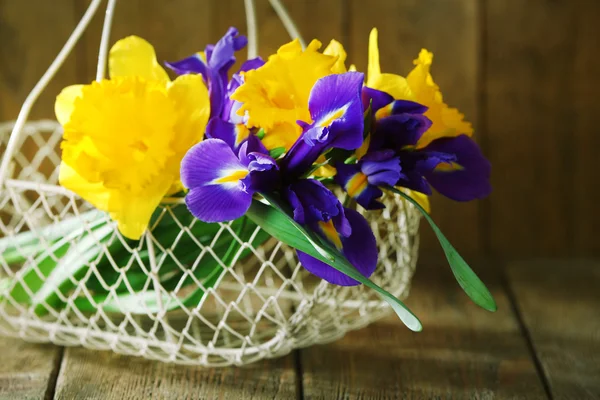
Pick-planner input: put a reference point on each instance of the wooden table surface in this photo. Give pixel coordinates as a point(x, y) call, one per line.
point(544, 342)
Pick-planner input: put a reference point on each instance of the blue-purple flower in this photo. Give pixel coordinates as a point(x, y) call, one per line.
point(454, 166)
point(213, 64)
point(221, 184)
point(335, 107)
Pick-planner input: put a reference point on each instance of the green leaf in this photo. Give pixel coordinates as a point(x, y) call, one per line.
point(277, 152)
point(208, 271)
point(31, 277)
point(467, 279)
point(16, 249)
point(275, 221)
point(368, 119)
point(70, 268)
point(314, 242)
point(134, 303)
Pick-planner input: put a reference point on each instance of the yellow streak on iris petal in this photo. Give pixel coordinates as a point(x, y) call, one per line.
point(331, 233)
point(233, 176)
point(449, 167)
point(332, 117)
point(356, 184)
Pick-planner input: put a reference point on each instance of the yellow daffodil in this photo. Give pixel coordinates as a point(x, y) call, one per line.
point(275, 95)
point(418, 86)
point(124, 137)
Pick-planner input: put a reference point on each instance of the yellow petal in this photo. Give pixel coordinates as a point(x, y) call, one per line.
point(63, 107)
point(374, 69)
point(362, 150)
point(192, 104)
point(420, 198)
point(275, 95)
point(282, 134)
point(326, 171)
point(133, 213)
point(94, 193)
point(394, 85)
point(335, 48)
point(446, 121)
point(133, 56)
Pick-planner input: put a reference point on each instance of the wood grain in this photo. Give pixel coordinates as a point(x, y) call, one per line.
point(559, 303)
point(26, 370)
point(449, 29)
point(91, 375)
point(585, 82)
point(534, 113)
point(462, 352)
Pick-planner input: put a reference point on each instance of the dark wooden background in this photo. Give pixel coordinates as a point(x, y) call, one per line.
point(525, 72)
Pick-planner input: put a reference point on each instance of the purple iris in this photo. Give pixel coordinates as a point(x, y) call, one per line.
point(336, 109)
point(453, 166)
point(214, 65)
point(222, 183)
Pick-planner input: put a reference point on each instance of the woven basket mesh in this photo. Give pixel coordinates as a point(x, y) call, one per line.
point(263, 305)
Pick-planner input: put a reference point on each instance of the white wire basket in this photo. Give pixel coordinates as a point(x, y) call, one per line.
point(261, 304)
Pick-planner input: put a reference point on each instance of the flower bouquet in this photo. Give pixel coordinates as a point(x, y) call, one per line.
point(189, 179)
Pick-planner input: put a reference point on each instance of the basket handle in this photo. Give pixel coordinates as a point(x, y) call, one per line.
point(41, 85)
point(32, 97)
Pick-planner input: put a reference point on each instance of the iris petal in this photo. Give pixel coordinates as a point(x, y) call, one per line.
point(335, 106)
point(225, 131)
point(468, 182)
point(214, 175)
point(360, 248)
point(365, 194)
point(194, 64)
point(398, 131)
point(218, 203)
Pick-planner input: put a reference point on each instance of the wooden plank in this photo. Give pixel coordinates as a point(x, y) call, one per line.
point(559, 302)
point(27, 370)
point(450, 30)
point(462, 352)
point(536, 101)
point(103, 375)
point(585, 127)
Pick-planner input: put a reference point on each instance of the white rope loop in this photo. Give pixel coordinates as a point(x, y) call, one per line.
point(105, 40)
point(41, 85)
